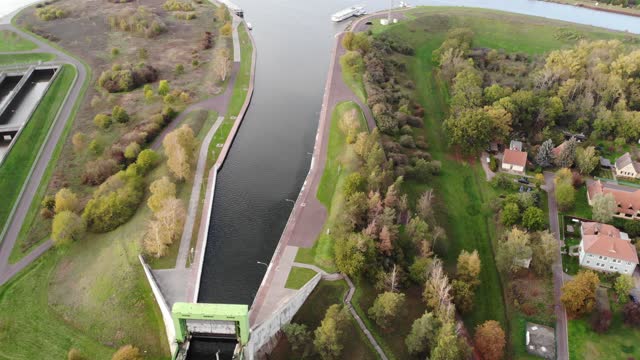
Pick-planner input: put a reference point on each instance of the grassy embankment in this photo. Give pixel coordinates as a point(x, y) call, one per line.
point(17, 164)
point(461, 188)
point(356, 345)
point(11, 41)
point(298, 277)
point(330, 189)
point(353, 79)
point(14, 59)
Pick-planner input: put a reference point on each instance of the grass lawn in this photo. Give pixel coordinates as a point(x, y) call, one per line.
point(11, 41)
point(330, 189)
point(298, 277)
point(327, 293)
point(244, 73)
point(17, 164)
point(11, 59)
point(620, 342)
point(581, 207)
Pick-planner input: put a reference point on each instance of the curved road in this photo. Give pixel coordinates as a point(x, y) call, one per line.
point(30, 187)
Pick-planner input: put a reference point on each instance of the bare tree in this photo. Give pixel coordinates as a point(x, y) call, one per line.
point(425, 209)
point(437, 292)
point(222, 63)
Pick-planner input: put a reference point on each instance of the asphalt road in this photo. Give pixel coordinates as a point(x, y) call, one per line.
point(562, 334)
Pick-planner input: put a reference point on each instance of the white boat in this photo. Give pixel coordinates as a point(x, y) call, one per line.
point(249, 26)
point(348, 12)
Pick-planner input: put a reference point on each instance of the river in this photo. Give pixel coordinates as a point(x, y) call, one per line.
point(271, 155)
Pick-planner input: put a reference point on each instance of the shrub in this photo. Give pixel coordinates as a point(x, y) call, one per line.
point(102, 121)
point(119, 114)
point(631, 314)
point(49, 13)
point(175, 5)
point(163, 87)
point(79, 141)
point(206, 41)
point(185, 15)
point(407, 141)
point(75, 354)
point(128, 352)
point(179, 69)
point(493, 164)
point(352, 62)
point(66, 200)
point(97, 171)
point(66, 228)
point(126, 78)
point(132, 151)
point(226, 29)
point(114, 202)
point(115, 52)
point(141, 21)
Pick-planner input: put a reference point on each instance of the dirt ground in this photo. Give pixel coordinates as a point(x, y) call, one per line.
point(86, 33)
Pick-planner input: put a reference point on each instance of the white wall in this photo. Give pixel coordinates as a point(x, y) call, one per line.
point(605, 263)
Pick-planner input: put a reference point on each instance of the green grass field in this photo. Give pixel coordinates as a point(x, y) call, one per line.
point(353, 79)
point(330, 188)
point(327, 293)
point(620, 342)
point(298, 277)
point(11, 41)
point(17, 164)
point(13, 59)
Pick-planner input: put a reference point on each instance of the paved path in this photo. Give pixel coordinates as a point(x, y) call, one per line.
point(192, 210)
point(485, 166)
point(16, 218)
point(562, 334)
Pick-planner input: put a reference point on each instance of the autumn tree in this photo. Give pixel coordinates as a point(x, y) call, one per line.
point(422, 336)
point(347, 40)
point(165, 228)
point(579, 294)
point(463, 295)
point(222, 63)
point(468, 267)
point(470, 129)
point(544, 157)
point(180, 146)
point(328, 336)
point(513, 251)
point(631, 314)
point(75, 354)
point(545, 251)
point(386, 308)
point(161, 190)
point(66, 200)
point(354, 253)
point(587, 160)
point(437, 291)
point(490, 340)
point(603, 207)
point(623, 286)
point(425, 205)
point(127, 352)
point(66, 228)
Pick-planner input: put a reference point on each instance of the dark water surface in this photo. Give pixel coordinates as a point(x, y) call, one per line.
point(270, 158)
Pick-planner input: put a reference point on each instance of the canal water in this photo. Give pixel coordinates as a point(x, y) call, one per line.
point(270, 158)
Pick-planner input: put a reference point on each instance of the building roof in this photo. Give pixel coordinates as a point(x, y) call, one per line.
point(604, 162)
point(515, 157)
point(558, 149)
point(541, 341)
point(515, 145)
point(606, 240)
point(625, 160)
point(627, 198)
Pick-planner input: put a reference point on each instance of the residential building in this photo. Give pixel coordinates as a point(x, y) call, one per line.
point(605, 248)
point(558, 149)
point(627, 198)
point(626, 167)
point(514, 161)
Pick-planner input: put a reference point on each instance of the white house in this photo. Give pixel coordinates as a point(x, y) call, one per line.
point(605, 248)
point(626, 167)
point(514, 161)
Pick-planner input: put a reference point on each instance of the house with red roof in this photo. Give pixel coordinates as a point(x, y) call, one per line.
point(605, 248)
point(514, 159)
point(627, 198)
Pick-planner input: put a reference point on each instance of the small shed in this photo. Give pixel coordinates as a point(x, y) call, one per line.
point(541, 341)
point(515, 145)
point(605, 163)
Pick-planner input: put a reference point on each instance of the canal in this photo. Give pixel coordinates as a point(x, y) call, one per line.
point(271, 155)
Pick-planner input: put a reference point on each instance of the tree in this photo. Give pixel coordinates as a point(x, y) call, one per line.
point(222, 63)
point(631, 314)
point(347, 40)
point(603, 207)
point(66, 200)
point(468, 267)
point(533, 219)
point(544, 157)
point(66, 228)
point(161, 190)
point(387, 238)
point(353, 183)
point(565, 196)
point(119, 114)
point(447, 346)
point(423, 334)
point(463, 294)
point(579, 294)
point(424, 206)
point(298, 337)
point(623, 286)
point(353, 253)
point(386, 308)
point(163, 87)
point(437, 292)
point(166, 227)
point(102, 121)
point(418, 231)
point(545, 252)
point(510, 214)
point(79, 141)
point(567, 155)
point(328, 335)
point(75, 354)
point(147, 159)
point(128, 352)
point(587, 160)
point(180, 146)
point(513, 251)
point(132, 150)
point(226, 29)
point(490, 340)
point(470, 129)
